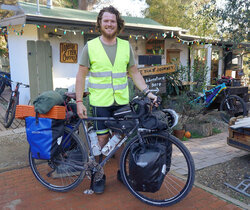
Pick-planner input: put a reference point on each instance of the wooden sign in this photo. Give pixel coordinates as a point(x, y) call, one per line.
point(157, 69)
point(68, 52)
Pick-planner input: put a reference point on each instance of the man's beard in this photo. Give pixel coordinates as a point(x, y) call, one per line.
point(108, 36)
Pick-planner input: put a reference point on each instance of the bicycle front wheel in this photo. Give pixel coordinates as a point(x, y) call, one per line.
point(10, 112)
point(64, 171)
point(179, 176)
point(233, 106)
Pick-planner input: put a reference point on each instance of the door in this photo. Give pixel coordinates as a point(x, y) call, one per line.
point(173, 57)
point(40, 67)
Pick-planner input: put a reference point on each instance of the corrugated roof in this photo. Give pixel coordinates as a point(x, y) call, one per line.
point(60, 12)
point(65, 14)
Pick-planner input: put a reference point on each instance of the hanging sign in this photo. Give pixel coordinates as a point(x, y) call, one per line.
point(68, 52)
point(152, 70)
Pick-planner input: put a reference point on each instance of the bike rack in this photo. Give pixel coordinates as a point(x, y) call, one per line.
point(242, 187)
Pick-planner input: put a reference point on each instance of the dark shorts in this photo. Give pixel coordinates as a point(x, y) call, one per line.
point(99, 126)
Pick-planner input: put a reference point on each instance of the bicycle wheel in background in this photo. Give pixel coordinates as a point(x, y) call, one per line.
point(232, 106)
point(11, 110)
point(180, 171)
point(2, 84)
point(61, 173)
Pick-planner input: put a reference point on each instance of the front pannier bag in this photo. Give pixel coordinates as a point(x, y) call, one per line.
point(44, 135)
point(147, 167)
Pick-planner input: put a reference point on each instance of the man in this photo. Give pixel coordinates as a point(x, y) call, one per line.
point(108, 59)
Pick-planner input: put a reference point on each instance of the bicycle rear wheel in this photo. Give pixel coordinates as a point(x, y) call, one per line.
point(180, 168)
point(233, 106)
point(64, 171)
point(11, 110)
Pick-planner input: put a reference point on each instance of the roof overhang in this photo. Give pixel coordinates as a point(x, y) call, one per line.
point(14, 20)
point(47, 20)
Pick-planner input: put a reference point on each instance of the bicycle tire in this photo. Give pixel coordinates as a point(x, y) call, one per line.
point(174, 187)
point(2, 84)
point(237, 107)
point(63, 176)
point(11, 110)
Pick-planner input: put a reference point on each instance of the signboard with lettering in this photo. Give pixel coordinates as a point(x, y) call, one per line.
point(163, 69)
point(155, 77)
point(156, 83)
point(68, 52)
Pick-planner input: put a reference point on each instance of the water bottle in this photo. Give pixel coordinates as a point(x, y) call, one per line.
point(94, 143)
point(110, 145)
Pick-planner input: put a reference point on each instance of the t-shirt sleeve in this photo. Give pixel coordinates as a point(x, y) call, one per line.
point(131, 57)
point(84, 59)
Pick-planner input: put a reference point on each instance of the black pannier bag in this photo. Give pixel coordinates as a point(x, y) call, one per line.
point(147, 166)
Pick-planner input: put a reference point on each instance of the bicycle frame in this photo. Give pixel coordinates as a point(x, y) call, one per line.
point(209, 101)
point(82, 121)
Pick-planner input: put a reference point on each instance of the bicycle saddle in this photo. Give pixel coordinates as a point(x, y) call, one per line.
point(73, 94)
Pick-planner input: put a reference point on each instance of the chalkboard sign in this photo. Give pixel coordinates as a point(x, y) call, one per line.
point(155, 77)
point(156, 83)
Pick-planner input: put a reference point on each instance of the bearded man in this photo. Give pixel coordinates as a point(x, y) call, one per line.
point(107, 60)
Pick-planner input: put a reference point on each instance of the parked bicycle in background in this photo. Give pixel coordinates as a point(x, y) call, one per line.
point(13, 102)
point(231, 105)
point(4, 81)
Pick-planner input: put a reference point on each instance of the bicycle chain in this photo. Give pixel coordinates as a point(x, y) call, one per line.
point(93, 165)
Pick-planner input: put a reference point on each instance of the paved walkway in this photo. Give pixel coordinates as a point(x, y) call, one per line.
point(20, 189)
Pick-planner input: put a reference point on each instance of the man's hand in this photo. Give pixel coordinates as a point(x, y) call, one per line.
point(154, 98)
point(81, 110)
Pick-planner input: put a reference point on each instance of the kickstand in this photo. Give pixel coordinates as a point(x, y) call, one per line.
point(92, 180)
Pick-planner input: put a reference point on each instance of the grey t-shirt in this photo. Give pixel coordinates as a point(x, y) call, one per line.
point(111, 53)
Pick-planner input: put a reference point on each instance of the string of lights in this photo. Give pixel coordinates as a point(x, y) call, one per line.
point(147, 36)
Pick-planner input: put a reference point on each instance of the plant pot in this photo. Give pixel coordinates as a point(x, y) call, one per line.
point(179, 133)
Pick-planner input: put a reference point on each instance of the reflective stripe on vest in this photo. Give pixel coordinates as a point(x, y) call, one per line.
point(107, 82)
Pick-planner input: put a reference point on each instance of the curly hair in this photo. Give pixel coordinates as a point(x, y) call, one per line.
point(112, 10)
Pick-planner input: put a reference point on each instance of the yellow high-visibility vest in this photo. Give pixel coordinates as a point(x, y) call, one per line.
point(108, 83)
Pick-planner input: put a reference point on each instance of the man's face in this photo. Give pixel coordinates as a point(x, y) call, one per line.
point(108, 25)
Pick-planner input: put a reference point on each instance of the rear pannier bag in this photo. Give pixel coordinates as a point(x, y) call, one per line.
point(44, 135)
point(147, 167)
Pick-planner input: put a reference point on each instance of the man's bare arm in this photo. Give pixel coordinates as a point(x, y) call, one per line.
point(139, 81)
point(80, 86)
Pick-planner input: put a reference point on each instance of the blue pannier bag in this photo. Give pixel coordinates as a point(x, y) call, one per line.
point(44, 135)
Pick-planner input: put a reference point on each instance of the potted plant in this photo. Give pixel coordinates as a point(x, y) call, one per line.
point(186, 110)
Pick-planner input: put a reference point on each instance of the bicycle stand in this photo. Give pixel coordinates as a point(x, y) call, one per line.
point(242, 187)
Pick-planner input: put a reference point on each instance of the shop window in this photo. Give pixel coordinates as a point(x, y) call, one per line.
point(155, 47)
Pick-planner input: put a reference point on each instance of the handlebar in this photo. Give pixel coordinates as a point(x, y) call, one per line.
point(19, 83)
point(144, 106)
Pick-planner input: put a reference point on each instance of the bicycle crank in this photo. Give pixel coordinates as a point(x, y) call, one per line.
point(92, 167)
